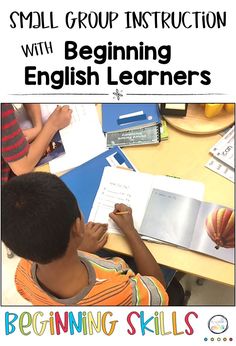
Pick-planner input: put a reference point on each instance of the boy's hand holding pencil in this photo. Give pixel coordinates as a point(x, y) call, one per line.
point(122, 212)
point(122, 216)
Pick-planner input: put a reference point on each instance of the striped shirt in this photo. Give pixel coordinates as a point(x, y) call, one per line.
point(14, 144)
point(111, 283)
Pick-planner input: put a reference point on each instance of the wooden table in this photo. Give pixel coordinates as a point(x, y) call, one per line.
point(182, 155)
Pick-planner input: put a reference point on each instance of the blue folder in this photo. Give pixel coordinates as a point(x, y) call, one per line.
point(84, 180)
point(121, 116)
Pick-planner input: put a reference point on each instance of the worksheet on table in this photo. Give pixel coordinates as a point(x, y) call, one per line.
point(83, 138)
point(117, 187)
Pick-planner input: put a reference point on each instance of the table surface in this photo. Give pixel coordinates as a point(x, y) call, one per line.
point(182, 155)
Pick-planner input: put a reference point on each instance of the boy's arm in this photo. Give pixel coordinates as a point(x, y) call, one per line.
point(59, 119)
point(143, 258)
point(34, 113)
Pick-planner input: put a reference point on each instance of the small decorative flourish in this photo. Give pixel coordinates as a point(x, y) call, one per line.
point(118, 94)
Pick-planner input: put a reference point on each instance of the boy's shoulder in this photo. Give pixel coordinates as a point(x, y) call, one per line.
point(24, 266)
point(112, 283)
point(23, 280)
point(135, 288)
point(23, 275)
point(113, 264)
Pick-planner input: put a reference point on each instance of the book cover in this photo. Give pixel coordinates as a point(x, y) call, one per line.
point(118, 117)
point(141, 136)
point(54, 150)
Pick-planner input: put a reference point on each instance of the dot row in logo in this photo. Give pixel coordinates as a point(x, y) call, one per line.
point(218, 339)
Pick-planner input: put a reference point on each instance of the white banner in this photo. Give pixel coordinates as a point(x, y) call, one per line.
point(164, 325)
point(102, 52)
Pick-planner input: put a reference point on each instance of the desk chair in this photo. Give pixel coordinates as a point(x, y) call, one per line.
point(177, 295)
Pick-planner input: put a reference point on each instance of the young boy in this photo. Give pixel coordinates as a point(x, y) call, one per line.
point(41, 222)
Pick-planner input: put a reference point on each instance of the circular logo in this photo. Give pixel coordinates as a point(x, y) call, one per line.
point(218, 324)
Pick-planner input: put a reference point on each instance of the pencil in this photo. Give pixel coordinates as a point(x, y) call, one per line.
point(122, 212)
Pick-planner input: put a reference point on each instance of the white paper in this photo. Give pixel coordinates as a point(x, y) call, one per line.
point(134, 189)
point(223, 150)
point(83, 138)
point(219, 167)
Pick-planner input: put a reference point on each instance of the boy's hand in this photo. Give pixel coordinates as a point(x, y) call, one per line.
point(122, 216)
point(61, 117)
point(95, 237)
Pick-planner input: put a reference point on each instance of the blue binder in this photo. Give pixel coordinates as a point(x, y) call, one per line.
point(84, 181)
point(121, 116)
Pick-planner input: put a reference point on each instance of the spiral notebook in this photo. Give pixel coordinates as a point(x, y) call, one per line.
point(141, 136)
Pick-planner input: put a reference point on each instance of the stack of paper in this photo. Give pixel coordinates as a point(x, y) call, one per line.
point(222, 161)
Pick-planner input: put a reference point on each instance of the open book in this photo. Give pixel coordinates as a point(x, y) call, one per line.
point(134, 189)
point(190, 223)
point(141, 192)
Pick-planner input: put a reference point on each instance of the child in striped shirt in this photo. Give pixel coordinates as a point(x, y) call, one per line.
point(42, 223)
point(18, 155)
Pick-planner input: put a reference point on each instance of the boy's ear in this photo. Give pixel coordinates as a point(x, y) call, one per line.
point(78, 229)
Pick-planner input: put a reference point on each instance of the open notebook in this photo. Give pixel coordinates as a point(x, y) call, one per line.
point(134, 189)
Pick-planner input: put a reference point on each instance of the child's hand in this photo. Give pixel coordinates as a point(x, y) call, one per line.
point(61, 117)
point(122, 216)
point(95, 237)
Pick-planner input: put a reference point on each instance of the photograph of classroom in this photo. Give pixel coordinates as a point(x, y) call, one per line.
point(118, 204)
